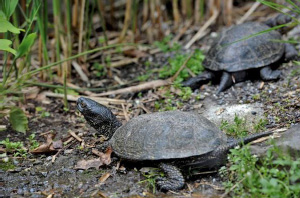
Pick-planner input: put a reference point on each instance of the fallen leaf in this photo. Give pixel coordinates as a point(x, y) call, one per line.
point(105, 157)
point(46, 147)
point(86, 164)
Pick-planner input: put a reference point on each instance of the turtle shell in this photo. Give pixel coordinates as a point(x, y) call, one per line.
point(166, 135)
point(258, 51)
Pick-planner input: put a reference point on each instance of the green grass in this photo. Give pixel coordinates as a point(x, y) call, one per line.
point(194, 65)
point(270, 176)
point(6, 165)
point(239, 127)
point(14, 147)
point(151, 177)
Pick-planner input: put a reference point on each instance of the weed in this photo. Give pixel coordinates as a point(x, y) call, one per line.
point(100, 70)
point(32, 142)
point(266, 177)
point(260, 125)
point(256, 97)
point(14, 147)
point(151, 177)
point(164, 45)
point(6, 165)
point(42, 112)
point(237, 128)
point(194, 65)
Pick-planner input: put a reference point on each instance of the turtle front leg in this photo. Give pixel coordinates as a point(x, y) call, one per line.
point(266, 73)
point(290, 52)
point(174, 179)
point(225, 82)
point(197, 81)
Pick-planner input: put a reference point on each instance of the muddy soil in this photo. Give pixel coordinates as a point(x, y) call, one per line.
point(39, 175)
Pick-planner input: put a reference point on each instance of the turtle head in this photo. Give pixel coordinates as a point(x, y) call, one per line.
point(98, 116)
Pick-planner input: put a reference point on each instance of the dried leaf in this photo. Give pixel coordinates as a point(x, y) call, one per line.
point(46, 147)
point(86, 164)
point(105, 157)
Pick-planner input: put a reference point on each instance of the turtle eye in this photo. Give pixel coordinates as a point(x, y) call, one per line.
point(82, 104)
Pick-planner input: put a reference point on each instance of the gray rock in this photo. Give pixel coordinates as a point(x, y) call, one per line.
point(288, 142)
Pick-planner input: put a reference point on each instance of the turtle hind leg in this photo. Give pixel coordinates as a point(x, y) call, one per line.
point(225, 82)
point(266, 73)
point(196, 82)
point(174, 179)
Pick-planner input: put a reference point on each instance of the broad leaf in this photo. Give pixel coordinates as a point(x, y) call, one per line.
point(26, 45)
point(4, 45)
point(8, 7)
point(18, 120)
point(6, 26)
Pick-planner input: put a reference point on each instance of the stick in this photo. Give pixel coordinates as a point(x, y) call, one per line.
point(249, 12)
point(137, 88)
point(101, 100)
point(202, 30)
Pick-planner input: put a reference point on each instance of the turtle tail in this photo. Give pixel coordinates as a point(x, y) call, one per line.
point(248, 139)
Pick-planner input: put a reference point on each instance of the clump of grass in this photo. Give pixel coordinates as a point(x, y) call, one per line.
point(270, 176)
point(194, 65)
point(151, 177)
point(14, 147)
point(239, 128)
point(6, 165)
point(32, 142)
point(164, 45)
point(42, 112)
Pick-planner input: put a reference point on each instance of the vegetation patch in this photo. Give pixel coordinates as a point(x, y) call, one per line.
point(275, 175)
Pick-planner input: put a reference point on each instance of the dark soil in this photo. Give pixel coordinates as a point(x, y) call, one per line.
point(37, 176)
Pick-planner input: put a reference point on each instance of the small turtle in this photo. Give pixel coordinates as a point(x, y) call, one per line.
point(232, 61)
point(175, 141)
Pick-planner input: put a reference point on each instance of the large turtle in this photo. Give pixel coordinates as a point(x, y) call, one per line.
point(173, 140)
point(233, 59)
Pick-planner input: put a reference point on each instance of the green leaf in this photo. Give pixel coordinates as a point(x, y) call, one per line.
point(18, 119)
point(8, 7)
point(6, 26)
point(26, 45)
point(4, 45)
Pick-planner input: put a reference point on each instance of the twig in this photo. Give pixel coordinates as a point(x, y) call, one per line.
point(123, 62)
point(137, 88)
point(181, 68)
point(202, 30)
point(249, 12)
point(235, 185)
point(146, 85)
point(182, 31)
point(75, 136)
point(101, 100)
point(125, 112)
point(80, 72)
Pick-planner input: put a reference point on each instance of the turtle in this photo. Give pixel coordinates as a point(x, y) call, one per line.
point(175, 141)
point(234, 57)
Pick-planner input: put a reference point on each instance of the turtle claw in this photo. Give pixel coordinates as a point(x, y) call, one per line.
point(174, 179)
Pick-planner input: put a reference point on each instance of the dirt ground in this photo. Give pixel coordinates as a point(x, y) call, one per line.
point(39, 175)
